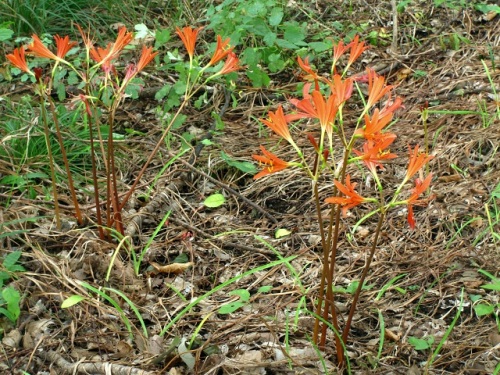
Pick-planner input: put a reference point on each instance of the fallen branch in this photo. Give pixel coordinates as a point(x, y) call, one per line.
point(90, 367)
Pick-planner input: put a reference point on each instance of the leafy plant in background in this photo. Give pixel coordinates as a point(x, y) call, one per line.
point(332, 154)
point(265, 33)
point(104, 88)
point(10, 297)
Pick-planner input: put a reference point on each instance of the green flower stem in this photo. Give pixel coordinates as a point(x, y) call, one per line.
point(51, 159)
point(71, 185)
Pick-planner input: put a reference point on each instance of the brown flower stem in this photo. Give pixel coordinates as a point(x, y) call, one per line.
point(71, 185)
point(347, 327)
point(330, 296)
point(94, 180)
point(112, 182)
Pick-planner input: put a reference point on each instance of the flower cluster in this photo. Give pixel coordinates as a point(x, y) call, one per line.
point(326, 108)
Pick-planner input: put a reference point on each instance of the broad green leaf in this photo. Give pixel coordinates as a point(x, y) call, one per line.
point(242, 293)
point(71, 301)
point(294, 34)
point(482, 309)
point(142, 31)
point(495, 286)
point(275, 16)
point(419, 344)
point(244, 166)
point(281, 233)
point(12, 297)
point(5, 34)
point(264, 289)
point(231, 307)
point(11, 259)
point(214, 200)
point(320, 46)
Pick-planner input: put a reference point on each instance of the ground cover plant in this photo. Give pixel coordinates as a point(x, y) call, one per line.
point(175, 252)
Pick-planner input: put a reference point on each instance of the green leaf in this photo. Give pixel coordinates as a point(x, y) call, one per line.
point(419, 344)
point(269, 38)
point(231, 307)
point(482, 309)
point(320, 46)
point(162, 37)
point(258, 77)
point(11, 259)
point(242, 293)
point(214, 200)
point(244, 166)
point(5, 34)
point(12, 298)
point(294, 34)
point(286, 44)
point(142, 31)
point(275, 16)
point(264, 289)
point(71, 301)
point(281, 233)
point(495, 286)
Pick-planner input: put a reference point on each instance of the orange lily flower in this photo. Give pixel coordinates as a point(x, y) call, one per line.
point(221, 51)
point(188, 36)
point(39, 49)
point(417, 161)
point(231, 64)
point(420, 187)
point(374, 152)
point(339, 50)
point(146, 56)
point(104, 56)
point(311, 74)
point(317, 107)
point(341, 88)
point(279, 124)
point(356, 50)
point(391, 106)
point(63, 46)
point(374, 125)
point(351, 199)
point(376, 88)
point(18, 59)
point(274, 164)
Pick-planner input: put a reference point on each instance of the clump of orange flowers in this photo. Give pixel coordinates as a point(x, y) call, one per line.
point(344, 138)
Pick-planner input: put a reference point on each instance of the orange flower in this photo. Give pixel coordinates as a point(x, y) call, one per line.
point(325, 110)
point(356, 49)
point(341, 88)
point(374, 152)
point(420, 187)
point(311, 74)
point(351, 199)
point(279, 124)
point(274, 164)
point(339, 50)
point(231, 64)
point(374, 125)
point(63, 46)
point(104, 56)
point(18, 59)
point(146, 56)
point(376, 88)
point(39, 49)
point(221, 51)
point(188, 36)
point(417, 161)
